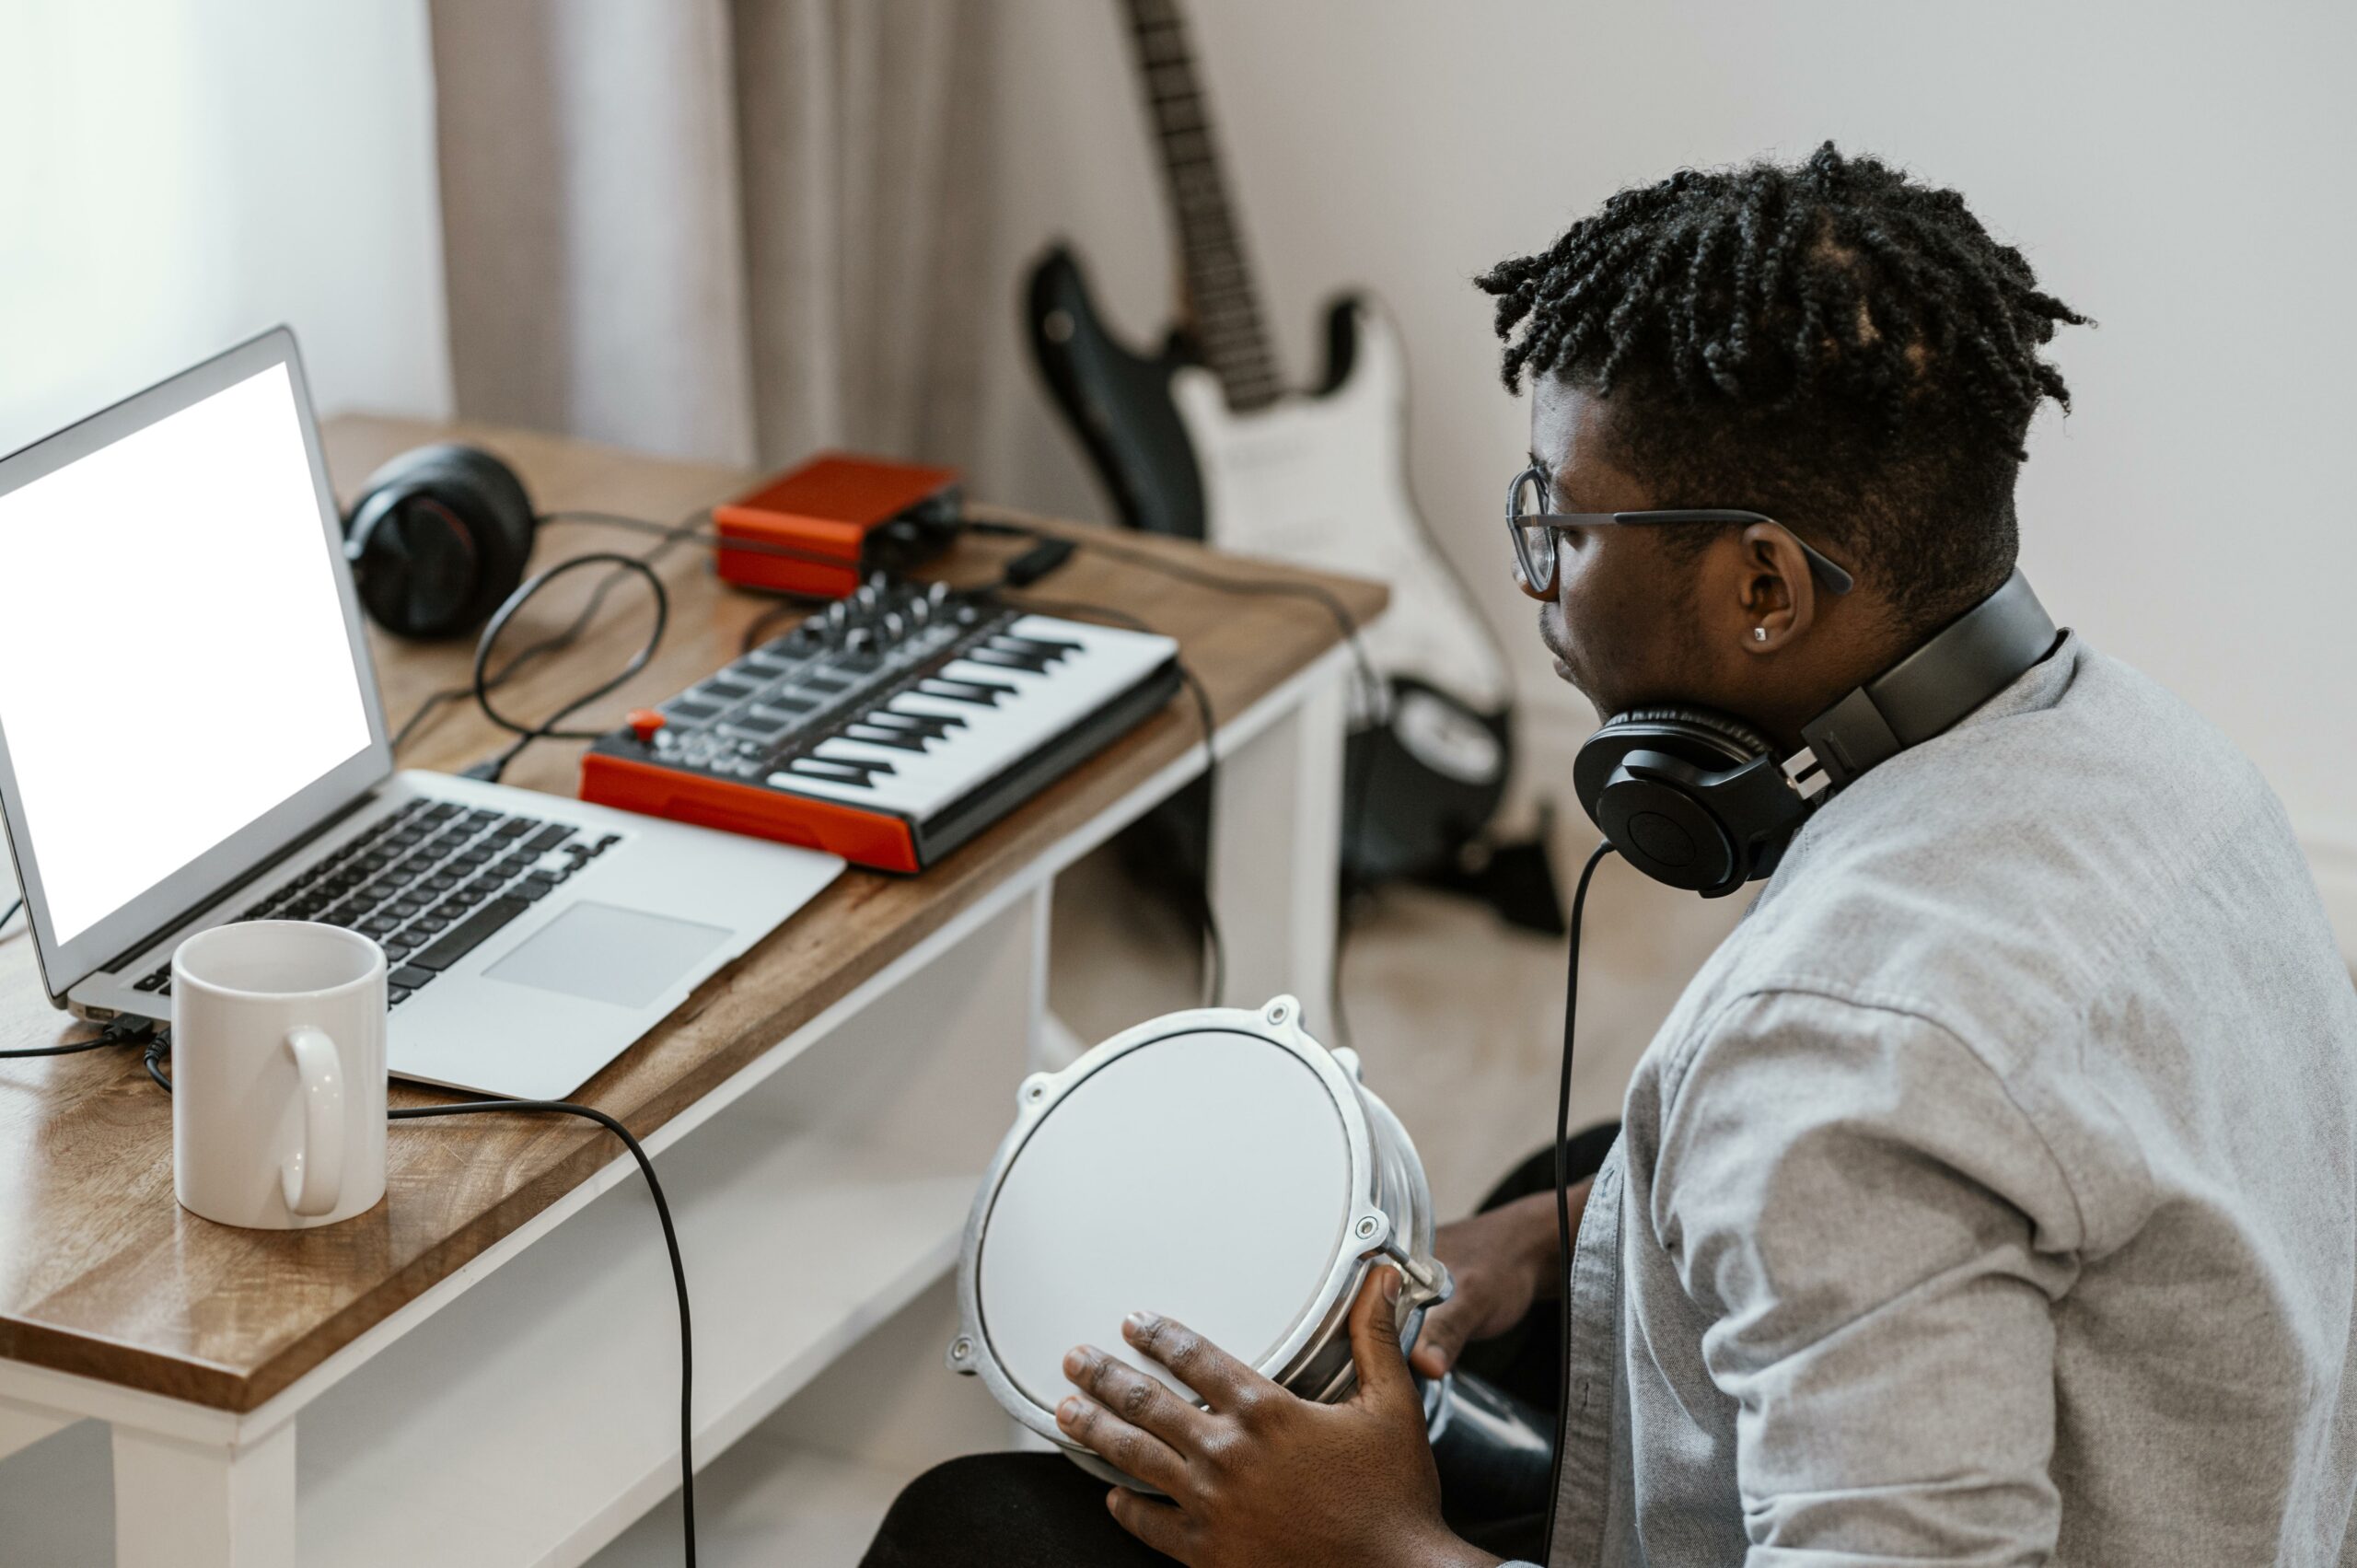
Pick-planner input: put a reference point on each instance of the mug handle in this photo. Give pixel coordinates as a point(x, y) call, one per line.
point(312, 1177)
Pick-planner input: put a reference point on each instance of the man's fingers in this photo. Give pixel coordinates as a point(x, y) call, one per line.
point(1125, 1447)
point(1446, 1327)
point(1158, 1525)
point(1144, 1402)
point(1219, 1377)
point(1375, 1337)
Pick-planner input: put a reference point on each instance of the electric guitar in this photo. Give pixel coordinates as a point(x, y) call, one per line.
point(1204, 440)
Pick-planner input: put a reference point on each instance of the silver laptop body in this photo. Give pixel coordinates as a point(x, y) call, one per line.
point(190, 733)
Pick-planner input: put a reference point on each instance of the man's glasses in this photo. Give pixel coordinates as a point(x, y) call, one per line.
point(1533, 527)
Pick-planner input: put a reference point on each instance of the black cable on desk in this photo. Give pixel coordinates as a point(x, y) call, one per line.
point(161, 1042)
point(547, 729)
point(668, 536)
point(514, 666)
point(121, 1032)
point(10, 913)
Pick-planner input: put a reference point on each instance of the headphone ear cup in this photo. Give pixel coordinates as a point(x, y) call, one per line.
point(505, 526)
point(1651, 779)
point(418, 572)
point(439, 537)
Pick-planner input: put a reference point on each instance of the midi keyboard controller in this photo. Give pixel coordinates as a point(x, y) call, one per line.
point(890, 728)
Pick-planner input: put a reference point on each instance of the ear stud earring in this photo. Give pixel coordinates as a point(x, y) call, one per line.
point(1759, 633)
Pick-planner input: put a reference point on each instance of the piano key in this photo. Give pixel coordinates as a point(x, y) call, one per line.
point(917, 705)
point(962, 691)
point(1046, 648)
point(885, 718)
point(877, 758)
point(801, 781)
point(817, 769)
point(971, 672)
point(878, 735)
point(1009, 659)
point(976, 716)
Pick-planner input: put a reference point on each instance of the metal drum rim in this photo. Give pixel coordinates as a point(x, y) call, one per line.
point(1278, 1023)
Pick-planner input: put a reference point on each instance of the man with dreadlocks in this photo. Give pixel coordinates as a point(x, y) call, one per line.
point(1990, 1196)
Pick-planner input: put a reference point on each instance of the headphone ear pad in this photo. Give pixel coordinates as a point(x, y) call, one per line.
point(438, 537)
point(418, 573)
point(505, 526)
point(1643, 779)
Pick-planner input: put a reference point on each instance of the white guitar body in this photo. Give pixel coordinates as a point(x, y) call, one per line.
point(1321, 480)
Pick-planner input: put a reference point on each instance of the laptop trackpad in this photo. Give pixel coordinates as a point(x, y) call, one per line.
point(625, 957)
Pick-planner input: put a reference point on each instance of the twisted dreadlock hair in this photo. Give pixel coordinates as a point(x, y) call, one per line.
point(1833, 344)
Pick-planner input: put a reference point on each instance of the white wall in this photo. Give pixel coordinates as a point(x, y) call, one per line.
point(176, 175)
point(2182, 172)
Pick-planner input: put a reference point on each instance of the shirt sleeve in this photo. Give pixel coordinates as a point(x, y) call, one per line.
point(1879, 1237)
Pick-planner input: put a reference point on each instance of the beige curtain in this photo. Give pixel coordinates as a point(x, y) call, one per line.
point(733, 229)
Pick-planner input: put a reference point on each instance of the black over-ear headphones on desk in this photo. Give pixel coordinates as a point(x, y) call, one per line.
point(438, 539)
point(1699, 800)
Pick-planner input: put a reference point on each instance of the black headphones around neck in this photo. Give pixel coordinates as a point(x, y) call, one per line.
point(437, 539)
point(1701, 801)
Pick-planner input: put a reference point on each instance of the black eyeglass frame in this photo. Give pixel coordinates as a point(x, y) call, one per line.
point(1829, 575)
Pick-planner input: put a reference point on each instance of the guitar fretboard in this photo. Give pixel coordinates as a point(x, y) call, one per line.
point(1224, 308)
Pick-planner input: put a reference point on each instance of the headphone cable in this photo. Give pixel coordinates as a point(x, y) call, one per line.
point(547, 729)
point(668, 537)
point(1564, 1184)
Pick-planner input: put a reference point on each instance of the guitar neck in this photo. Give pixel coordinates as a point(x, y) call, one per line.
point(1222, 306)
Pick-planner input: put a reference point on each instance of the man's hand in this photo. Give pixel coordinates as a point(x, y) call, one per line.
point(1501, 1261)
point(1263, 1476)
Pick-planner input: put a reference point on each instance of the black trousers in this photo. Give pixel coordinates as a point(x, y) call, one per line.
point(1042, 1511)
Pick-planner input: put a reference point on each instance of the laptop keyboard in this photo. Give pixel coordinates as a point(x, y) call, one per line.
point(430, 884)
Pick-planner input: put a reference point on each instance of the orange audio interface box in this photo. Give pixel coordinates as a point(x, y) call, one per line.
point(823, 528)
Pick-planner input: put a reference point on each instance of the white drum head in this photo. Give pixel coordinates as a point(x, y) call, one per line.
point(1206, 1177)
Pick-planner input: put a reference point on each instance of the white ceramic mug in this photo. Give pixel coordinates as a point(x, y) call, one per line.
point(278, 1074)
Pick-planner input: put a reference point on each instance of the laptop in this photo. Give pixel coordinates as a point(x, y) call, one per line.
point(191, 734)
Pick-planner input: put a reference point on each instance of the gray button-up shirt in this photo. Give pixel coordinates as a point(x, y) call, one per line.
point(1990, 1196)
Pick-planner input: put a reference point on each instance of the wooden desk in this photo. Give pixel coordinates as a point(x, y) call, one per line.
point(827, 1103)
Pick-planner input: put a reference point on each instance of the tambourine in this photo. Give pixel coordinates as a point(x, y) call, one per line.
point(1221, 1167)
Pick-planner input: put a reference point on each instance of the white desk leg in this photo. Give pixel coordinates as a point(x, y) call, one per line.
point(1276, 849)
point(179, 1504)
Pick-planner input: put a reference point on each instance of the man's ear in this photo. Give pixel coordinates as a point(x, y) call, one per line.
point(1774, 592)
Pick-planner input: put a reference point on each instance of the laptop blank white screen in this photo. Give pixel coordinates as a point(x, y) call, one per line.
point(173, 657)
